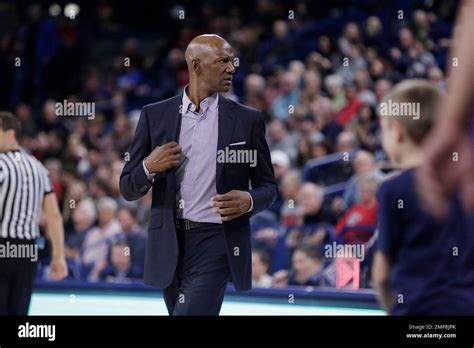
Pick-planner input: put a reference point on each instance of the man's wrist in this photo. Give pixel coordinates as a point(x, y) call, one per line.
point(149, 175)
point(58, 256)
point(146, 166)
point(250, 209)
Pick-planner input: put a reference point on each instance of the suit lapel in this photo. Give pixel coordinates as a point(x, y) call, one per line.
point(226, 122)
point(172, 128)
point(173, 124)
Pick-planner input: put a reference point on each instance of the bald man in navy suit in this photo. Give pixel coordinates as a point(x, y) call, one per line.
point(208, 164)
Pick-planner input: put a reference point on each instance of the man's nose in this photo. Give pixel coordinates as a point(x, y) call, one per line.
point(230, 67)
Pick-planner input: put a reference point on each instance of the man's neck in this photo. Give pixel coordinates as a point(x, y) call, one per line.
point(196, 94)
point(13, 147)
point(412, 158)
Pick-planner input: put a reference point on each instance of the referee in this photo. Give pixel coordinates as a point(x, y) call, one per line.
point(25, 189)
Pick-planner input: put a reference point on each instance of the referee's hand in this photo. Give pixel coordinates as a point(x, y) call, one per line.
point(58, 268)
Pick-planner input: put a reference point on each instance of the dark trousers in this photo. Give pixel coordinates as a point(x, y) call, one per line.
point(201, 275)
point(17, 276)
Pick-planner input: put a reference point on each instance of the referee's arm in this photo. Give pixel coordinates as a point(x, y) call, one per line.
point(56, 233)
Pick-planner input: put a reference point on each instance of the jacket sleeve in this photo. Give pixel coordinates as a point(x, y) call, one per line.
point(134, 183)
point(264, 187)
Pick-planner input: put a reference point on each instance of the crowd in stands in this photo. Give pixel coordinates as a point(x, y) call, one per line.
point(317, 76)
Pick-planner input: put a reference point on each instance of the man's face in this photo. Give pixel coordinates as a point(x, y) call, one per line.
point(7, 138)
point(120, 259)
point(105, 215)
point(367, 194)
point(2, 139)
point(310, 203)
point(389, 134)
point(217, 68)
point(289, 187)
point(80, 218)
point(304, 266)
point(126, 220)
point(258, 267)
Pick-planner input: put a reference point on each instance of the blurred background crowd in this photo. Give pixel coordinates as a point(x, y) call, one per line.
point(317, 70)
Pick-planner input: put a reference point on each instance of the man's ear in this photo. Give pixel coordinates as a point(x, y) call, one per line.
point(196, 66)
point(400, 131)
point(10, 135)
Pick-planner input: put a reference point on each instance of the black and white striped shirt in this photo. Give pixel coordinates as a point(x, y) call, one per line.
point(23, 183)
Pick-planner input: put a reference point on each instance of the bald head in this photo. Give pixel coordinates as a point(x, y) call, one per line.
point(202, 46)
point(210, 61)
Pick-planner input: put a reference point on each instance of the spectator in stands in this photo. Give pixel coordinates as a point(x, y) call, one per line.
point(122, 134)
point(329, 55)
point(307, 269)
point(280, 139)
point(289, 187)
point(281, 165)
point(298, 68)
point(24, 114)
point(50, 121)
point(98, 239)
point(289, 95)
point(352, 106)
point(133, 235)
point(119, 268)
point(322, 112)
point(76, 191)
point(254, 86)
point(374, 35)
point(55, 170)
point(83, 218)
point(311, 213)
point(320, 146)
point(361, 214)
point(260, 267)
point(334, 86)
point(280, 162)
point(382, 87)
point(304, 123)
point(363, 84)
point(346, 142)
point(278, 48)
point(350, 37)
point(365, 128)
point(305, 151)
point(312, 86)
point(363, 163)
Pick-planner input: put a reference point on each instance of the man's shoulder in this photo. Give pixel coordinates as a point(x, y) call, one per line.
point(241, 108)
point(399, 180)
point(164, 103)
point(398, 186)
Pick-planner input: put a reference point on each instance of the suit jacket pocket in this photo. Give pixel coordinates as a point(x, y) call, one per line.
point(156, 220)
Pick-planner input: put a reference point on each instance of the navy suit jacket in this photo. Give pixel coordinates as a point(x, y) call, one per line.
point(160, 123)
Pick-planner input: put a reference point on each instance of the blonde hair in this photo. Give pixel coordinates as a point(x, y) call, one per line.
point(426, 95)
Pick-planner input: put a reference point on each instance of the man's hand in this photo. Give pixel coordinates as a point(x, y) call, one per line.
point(163, 157)
point(231, 204)
point(58, 268)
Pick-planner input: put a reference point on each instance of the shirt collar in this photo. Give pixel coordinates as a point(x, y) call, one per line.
point(210, 102)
